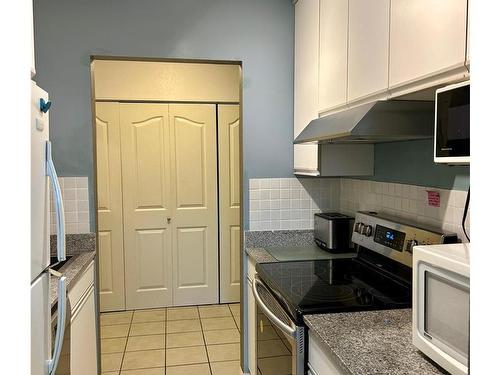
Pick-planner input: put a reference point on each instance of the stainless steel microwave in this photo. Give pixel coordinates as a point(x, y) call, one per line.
point(441, 294)
point(452, 124)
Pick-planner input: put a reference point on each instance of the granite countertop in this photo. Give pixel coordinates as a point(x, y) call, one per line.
point(256, 241)
point(260, 255)
point(81, 247)
point(76, 243)
point(371, 342)
point(72, 270)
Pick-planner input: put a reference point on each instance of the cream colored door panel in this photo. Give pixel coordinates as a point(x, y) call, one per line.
point(109, 200)
point(194, 203)
point(427, 37)
point(145, 149)
point(229, 202)
point(333, 18)
point(179, 82)
point(368, 52)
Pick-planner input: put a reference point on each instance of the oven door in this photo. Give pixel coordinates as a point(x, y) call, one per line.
point(280, 343)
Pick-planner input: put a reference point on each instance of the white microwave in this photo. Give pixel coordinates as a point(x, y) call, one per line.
point(441, 294)
point(452, 124)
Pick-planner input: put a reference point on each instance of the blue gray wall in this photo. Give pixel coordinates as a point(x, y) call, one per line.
point(412, 163)
point(257, 32)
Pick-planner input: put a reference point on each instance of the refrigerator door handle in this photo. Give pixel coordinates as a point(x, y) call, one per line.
point(58, 201)
point(61, 322)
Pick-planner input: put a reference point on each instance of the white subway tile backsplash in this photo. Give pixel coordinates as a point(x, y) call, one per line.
point(265, 183)
point(405, 201)
point(76, 205)
point(254, 184)
point(275, 183)
point(290, 203)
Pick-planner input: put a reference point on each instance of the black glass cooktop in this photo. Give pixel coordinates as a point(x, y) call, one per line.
point(337, 285)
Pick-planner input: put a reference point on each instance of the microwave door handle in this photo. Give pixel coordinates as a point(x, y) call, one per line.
point(61, 322)
point(58, 201)
point(291, 331)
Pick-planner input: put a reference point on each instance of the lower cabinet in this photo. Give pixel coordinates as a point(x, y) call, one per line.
point(252, 326)
point(320, 360)
point(83, 325)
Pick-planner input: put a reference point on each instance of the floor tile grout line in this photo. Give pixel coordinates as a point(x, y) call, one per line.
point(204, 341)
point(202, 331)
point(126, 341)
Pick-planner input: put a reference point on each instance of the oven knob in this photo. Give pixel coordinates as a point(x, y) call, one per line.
point(358, 228)
point(410, 245)
point(367, 230)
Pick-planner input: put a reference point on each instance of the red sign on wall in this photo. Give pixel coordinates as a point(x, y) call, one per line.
point(433, 199)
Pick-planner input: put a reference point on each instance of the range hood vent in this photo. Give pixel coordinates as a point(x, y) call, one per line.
point(379, 121)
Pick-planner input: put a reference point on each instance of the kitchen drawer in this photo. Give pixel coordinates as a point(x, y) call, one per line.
point(81, 286)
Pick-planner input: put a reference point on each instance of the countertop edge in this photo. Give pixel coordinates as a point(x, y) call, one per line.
point(73, 270)
point(260, 255)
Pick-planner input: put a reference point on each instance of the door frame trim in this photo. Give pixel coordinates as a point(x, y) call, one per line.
point(243, 359)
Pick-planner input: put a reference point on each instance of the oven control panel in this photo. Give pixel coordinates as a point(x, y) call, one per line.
point(395, 237)
point(389, 237)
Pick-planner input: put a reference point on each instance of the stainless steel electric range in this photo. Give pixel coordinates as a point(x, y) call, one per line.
point(378, 278)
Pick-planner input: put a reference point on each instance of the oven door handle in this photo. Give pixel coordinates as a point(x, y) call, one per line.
point(291, 331)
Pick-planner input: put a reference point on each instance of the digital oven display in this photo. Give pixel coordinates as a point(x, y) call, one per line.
point(389, 237)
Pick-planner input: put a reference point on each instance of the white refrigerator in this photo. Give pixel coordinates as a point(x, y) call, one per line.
point(44, 354)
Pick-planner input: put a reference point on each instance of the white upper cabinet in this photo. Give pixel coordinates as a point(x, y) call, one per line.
point(428, 39)
point(306, 80)
point(333, 30)
point(368, 51)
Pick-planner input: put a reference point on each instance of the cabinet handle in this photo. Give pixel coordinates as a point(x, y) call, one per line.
point(169, 220)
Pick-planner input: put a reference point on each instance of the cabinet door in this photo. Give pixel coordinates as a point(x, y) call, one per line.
point(83, 337)
point(109, 210)
point(333, 19)
point(145, 152)
point(427, 37)
point(306, 80)
point(368, 54)
point(229, 202)
point(193, 145)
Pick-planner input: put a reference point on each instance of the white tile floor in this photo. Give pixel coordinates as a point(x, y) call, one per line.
point(195, 340)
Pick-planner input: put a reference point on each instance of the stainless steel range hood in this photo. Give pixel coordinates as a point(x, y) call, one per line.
point(379, 121)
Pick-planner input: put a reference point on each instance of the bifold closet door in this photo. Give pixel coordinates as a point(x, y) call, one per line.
point(147, 206)
point(193, 143)
point(109, 211)
point(229, 202)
